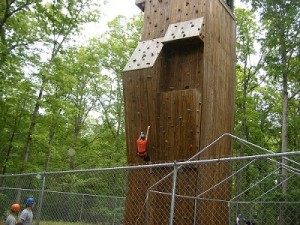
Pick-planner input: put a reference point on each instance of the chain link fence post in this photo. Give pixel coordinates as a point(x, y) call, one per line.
point(173, 193)
point(40, 201)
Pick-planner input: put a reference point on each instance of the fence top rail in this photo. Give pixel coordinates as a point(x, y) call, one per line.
point(63, 192)
point(170, 164)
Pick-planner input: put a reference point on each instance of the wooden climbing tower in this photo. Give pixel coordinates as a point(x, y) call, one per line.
point(180, 80)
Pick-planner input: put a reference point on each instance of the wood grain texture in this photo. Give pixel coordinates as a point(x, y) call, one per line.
point(186, 95)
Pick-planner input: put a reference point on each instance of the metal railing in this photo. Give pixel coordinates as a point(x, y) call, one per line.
point(203, 191)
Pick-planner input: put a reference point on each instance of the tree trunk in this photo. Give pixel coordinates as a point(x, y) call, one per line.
point(77, 128)
point(284, 137)
point(10, 144)
point(9, 149)
point(50, 141)
point(31, 129)
point(29, 141)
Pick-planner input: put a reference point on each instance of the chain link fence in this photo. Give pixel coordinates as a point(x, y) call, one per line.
point(259, 187)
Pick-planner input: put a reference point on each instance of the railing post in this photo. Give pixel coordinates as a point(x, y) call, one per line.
point(40, 204)
point(81, 208)
point(195, 211)
point(173, 193)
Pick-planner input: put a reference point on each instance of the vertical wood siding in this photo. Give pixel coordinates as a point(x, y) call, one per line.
point(187, 97)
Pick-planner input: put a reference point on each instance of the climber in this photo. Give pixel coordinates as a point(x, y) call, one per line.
point(142, 145)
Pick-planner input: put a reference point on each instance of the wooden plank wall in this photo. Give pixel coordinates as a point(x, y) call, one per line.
point(219, 70)
point(158, 15)
point(218, 107)
point(183, 67)
point(160, 204)
point(188, 99)
point(167, 97)
point(140, 92)
point(178, 125)
point(135, 197)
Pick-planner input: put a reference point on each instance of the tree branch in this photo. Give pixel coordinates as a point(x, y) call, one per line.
point(9, 14)
point(293, 95)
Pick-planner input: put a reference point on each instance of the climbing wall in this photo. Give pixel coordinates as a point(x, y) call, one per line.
point(180, 80)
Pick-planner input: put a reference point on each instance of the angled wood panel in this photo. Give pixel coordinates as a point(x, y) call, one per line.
point(185, 30)
point(144, 55)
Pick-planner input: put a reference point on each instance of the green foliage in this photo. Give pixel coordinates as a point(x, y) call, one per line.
point(78, 93)
point(57, 95)
point(259, 87)
point(268, 101)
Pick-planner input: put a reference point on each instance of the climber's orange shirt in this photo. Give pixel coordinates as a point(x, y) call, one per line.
point(141, 145)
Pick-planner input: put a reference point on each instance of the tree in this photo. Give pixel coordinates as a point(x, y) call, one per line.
point(115, 47)
point(282, 45)
point(17, 31)
point(52, 95)
point(247, 71)
point(51, 26)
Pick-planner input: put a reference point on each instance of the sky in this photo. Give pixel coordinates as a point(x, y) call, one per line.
point(123, 7)
point(119, 7)
point(128, 7)
point(111, 10)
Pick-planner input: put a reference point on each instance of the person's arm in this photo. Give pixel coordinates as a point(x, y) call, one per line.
point(21, 218)
point(140, 135)
point(148, 128)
